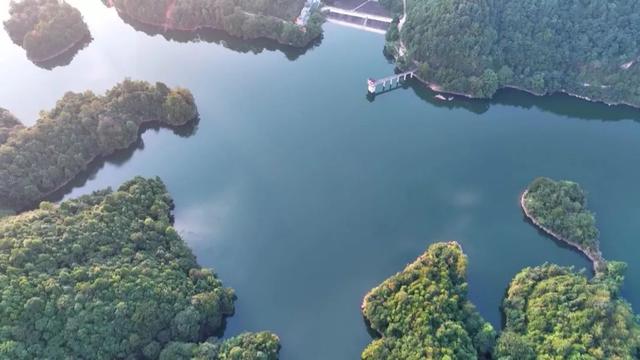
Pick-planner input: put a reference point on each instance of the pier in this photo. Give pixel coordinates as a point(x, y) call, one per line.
point(393, 81)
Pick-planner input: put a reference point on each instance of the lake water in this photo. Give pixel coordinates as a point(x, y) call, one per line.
point(303, 194)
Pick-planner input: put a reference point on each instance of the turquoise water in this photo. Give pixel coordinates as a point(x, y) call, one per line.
point(303, 194)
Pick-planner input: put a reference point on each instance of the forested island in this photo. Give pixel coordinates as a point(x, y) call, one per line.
point(551, 312)
point(587, 49)
point(107, 276)
point(560, 209)
point(423, 312)
point(46, 29)
point(38, 160)
point(246, 19)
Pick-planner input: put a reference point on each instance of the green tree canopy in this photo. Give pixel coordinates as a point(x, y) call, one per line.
point(45, 28)
point(588, 48)
point(423, 311)
point(554, 313)
point(106, 276)
point(247, 19)
point(561, 207)
point(81, 127)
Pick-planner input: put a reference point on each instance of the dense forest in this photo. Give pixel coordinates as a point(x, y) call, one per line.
point(423, 311)
point(45, 28)
point(9, 125)
point(37, 160)
point(554, 313)
point(247, 19)
point(551, 312)
point(587, 48)
point(106, 276)
point(561, 208)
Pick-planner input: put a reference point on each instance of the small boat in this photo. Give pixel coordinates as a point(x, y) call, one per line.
point(442, 98)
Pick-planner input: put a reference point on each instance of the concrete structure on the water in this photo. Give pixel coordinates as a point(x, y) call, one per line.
point(365, 15)
point(393, 80)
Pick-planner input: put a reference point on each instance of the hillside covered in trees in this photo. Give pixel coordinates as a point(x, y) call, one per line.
point(586, 48)
point(37, 160)
point(423, 311)
point(107, 276)
point(560, 208)
point(9, 125)
point(46, 29)
point(552, 312)
point(247, 19)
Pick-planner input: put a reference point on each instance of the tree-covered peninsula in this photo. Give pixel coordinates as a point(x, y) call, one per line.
point(247, 19)
point(46, 29)
point(560, 209)
point(586, 48)
point(106, 276)
point(552, 312)
point(37, 160)
point(423, 312)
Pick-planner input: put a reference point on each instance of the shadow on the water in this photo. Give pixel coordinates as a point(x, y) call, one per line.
point(118, 158)
point(374, 334)
point(221, 38)
point(218, 333)
point(566, 105)
point(476, 106)
point(559, 243)
point(68, 56)
point(558, 103)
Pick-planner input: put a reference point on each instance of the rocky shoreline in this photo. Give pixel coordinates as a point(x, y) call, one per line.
point(61, 52)
point(599, 263)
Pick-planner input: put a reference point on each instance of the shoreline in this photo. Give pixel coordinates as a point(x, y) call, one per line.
point(36, 203)
point(365, 299)
point(437, 88)
point(61, 52)
point(597, 261)
point(195, 29)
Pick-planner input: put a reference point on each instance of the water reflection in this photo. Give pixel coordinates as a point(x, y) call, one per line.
point(566, 105)
point(559, 104)
point(118, 158)
point(476, 106)
point(559, 243)
point(220, 37)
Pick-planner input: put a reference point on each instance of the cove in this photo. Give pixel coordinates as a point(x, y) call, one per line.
point(303, 194)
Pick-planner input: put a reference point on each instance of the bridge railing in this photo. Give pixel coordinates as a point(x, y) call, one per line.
point(372, 84)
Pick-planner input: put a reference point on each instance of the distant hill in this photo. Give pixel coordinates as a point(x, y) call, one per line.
point(585, 48)
point(247, 19)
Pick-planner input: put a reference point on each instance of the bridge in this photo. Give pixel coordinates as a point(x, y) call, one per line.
point(335, 10)
point(357, 19)
point(393, 80)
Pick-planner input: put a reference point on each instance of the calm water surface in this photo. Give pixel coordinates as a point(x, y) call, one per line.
point(302, 194)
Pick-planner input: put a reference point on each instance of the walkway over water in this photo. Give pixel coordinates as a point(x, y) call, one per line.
point(359, 17)
point(357, 14)
point(393, 80)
